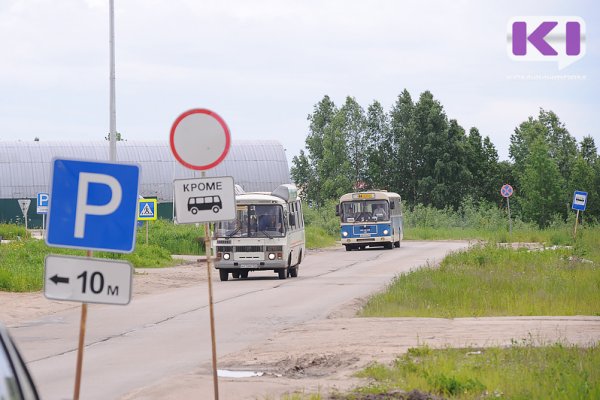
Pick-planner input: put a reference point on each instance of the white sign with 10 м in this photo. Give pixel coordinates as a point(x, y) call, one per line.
point(88, 280)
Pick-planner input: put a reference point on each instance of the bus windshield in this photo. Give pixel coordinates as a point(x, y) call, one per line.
point(254, 221)
point(365, 211)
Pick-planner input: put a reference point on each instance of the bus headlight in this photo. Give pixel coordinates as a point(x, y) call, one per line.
point(344, 234)
point(385, 231)
point(226, 256)
point(271, 256)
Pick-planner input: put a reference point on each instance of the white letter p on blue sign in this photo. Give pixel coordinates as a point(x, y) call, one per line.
point(93, 205)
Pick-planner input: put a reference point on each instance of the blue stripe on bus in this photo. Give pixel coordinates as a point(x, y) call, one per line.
point(372, 230)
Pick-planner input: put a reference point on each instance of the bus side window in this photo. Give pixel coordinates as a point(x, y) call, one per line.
point(293, 221)
point(300, 215)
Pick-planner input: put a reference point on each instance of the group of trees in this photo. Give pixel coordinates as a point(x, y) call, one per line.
point(416, 151)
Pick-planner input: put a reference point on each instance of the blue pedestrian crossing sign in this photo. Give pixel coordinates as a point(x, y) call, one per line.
point(147, 210)
point(93, 205)
point(579, 201)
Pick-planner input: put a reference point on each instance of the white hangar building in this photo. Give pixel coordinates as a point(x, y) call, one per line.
point(25, 169)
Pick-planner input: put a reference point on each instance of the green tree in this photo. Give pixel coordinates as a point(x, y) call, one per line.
point(335, 170)
point(304, 176)
point(482, 162)
point(379, 148)
point(588, 150)
point(407, 155)
point(308, 168)
point(353, 130)
point(431, 125)
point(562, 147)
point(541, 186)
point(583, 178)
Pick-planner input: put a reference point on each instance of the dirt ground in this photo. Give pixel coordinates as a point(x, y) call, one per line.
point(318, 356)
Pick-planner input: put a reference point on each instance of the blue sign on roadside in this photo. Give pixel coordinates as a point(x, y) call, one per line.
point(42, 203)
point(579, 201)
point(147, 209)
point(93, 205)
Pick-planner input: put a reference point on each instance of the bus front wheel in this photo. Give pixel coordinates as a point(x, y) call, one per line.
point(348, 247)
point(223, 274)
point(283, 272)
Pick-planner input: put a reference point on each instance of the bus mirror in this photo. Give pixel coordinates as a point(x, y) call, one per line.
point(292, 219)
point(392, 205)
point(337, 210)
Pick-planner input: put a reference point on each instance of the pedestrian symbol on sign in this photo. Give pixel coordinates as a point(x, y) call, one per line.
point(146, 212)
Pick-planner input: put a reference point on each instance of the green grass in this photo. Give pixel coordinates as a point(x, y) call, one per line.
point(12, 231)
point(177, 239)
point(317, 237)
point(522, 371)
point(493, 281)
point(22, 262)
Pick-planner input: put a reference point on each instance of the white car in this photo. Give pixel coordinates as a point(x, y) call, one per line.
point(15, 381)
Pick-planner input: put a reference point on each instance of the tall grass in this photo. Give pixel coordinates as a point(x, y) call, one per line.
point(493, 281)
point(324, 218)
point(177, 239)
point(522, 371)
point(12, 232)
point(22, 262)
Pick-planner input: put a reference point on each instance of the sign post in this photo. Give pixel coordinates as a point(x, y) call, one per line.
point(147, 211)
point(200, 140)
point(42, 208)
point(24, 205)
point(507, 191)
point(96, 204)
point(579, 204)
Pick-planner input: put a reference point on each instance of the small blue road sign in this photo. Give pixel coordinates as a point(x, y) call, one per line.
point(579, 201)
point(147, 209)
point(506, 191)
point(42, 203)
point(93, 205)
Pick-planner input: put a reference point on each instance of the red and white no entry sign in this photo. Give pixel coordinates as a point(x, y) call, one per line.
point(200, 139)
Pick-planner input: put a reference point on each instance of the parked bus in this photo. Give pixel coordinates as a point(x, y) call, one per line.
point(267, 234)
point(371, 218)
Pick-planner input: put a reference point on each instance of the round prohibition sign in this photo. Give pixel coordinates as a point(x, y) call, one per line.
point(506, 191)
point(199, 139)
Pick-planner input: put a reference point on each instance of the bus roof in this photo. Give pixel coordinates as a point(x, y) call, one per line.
point(258, 198)
point(370, 195)
point(285, 193)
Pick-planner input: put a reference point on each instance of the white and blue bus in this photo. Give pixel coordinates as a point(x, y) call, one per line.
point(372, 218)
point(267, 234)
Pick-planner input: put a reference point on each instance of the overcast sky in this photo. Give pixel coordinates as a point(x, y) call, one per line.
point(263, 65)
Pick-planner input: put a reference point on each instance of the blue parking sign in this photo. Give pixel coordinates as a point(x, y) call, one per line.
point(93, 205)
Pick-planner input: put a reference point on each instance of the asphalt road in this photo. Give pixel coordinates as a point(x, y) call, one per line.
point(168, 333)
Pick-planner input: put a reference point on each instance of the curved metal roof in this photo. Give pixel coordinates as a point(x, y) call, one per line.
point(25, 166)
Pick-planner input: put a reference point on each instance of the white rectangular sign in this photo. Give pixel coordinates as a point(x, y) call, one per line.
point(204, 199)
point(87, 280)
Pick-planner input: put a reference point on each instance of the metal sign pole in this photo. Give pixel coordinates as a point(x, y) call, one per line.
point(576, 222)
point(509, 219)
point(147, 223)
point(210, 306)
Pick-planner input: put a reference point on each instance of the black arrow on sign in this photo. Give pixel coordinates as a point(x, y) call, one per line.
point(59, 279)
